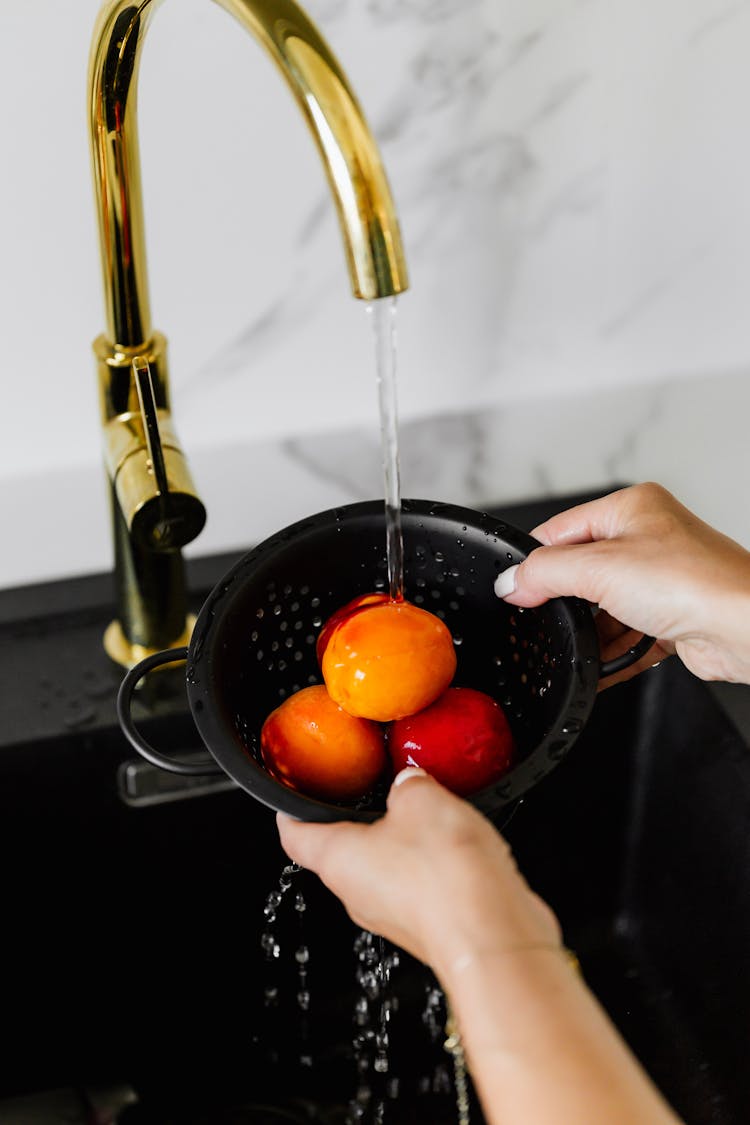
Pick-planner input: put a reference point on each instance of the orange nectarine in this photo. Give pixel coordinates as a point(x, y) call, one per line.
point(314, 746)
point(386, 659)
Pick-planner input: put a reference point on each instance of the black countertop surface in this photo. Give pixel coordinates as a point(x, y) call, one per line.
point(58, 678)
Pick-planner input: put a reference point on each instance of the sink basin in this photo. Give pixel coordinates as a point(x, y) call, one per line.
point(133, 909)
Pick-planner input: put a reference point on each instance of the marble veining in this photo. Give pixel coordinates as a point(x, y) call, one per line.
point(572, 185)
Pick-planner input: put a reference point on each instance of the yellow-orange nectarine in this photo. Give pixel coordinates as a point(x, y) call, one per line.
point(387, 659)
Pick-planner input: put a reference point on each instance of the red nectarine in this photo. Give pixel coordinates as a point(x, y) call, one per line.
point(463, 740)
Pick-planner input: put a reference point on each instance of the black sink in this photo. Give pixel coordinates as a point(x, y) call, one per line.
point(133, 911)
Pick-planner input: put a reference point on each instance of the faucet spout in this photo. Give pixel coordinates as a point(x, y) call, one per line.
point(151, 596)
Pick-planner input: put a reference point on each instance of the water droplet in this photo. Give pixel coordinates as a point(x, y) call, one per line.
point(269, 945)
point(572, 726)
point(302, 955)
point(370, 985)
point(303, 999)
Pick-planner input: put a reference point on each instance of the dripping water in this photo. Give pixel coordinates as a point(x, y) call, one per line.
point(374, 1007)
point(271, 948)
point(383, 314)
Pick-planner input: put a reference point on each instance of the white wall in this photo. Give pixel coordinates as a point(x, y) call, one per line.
point(573, 183)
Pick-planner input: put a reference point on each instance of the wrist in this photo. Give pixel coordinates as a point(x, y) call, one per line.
point(522, 959)
point(539, 983)
point(509, 924)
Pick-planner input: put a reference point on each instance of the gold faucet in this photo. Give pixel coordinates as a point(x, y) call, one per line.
point(155, 508)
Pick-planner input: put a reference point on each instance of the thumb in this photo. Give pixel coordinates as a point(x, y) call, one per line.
point(578, 570)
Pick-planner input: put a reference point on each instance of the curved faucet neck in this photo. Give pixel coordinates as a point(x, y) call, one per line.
point(355, 173)
point(152, 604)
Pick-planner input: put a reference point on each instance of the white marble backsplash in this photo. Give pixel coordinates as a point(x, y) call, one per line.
point(689, 434)
point(573, 185)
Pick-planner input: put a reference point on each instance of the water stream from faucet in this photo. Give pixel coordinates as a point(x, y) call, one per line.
point(383, 314)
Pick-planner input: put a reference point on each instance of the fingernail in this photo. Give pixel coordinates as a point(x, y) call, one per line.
point(505, 583)
point(405, 774)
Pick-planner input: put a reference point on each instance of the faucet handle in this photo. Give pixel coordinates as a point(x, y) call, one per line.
point(151, 478)
point(165, 513)
point(144, 385)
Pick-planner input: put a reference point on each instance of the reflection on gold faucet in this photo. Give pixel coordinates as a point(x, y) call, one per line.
point(155, 508)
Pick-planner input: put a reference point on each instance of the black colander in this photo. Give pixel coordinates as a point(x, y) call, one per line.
point(254, 643)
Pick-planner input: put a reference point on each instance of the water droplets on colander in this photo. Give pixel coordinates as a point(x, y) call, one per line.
point(540, 665)
point(254, 643)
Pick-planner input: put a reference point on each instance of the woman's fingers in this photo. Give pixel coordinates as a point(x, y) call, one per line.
point(311, 844)
point(580, 571)
point(596, 519)
point(409, 773)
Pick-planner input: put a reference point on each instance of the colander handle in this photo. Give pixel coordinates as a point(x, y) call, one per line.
point(134, 737)
point(609, 667)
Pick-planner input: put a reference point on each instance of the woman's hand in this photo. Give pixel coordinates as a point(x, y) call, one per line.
point(432, 875)
point(652, 567)
point(435, 877)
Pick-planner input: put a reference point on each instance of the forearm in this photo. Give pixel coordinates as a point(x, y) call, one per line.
point(539, 1047)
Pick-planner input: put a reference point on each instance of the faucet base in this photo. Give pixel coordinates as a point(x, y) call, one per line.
point(129, 653)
